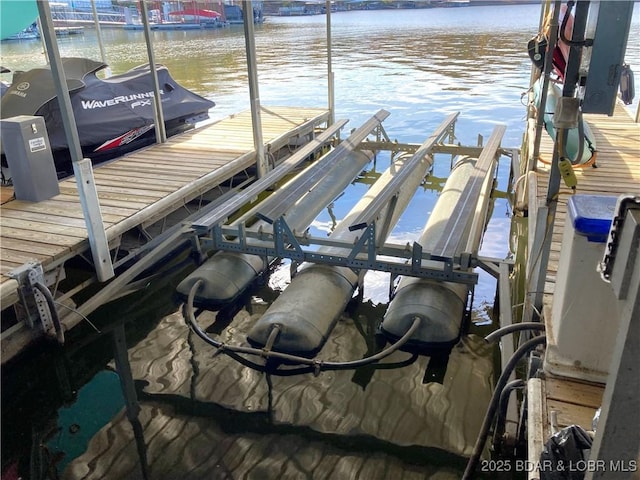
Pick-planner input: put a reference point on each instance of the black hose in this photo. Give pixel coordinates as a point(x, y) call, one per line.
point(514, 327)
point(524, 349)
point(317, 365)
point(573, 43)
point(52, 309)
point(503, 405)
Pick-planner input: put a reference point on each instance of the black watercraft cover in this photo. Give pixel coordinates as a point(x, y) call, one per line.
point(32, 89)
point(103, 108)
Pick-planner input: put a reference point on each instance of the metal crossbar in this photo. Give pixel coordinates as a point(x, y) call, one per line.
point(204, 224)
point(448, 244)
point(361, 254)
point(301, 185)
point(393, 187)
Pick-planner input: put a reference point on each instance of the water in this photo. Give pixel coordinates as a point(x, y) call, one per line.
point(206, 417)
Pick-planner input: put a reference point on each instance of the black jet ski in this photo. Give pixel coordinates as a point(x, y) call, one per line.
point(114, 116)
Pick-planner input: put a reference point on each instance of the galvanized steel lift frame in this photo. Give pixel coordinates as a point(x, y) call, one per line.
point(451, 262)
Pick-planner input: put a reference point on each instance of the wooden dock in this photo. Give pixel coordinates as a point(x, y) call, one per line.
point(556, 402)
point(140, 188)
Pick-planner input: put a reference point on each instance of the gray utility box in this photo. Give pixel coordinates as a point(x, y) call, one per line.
point(26, 145)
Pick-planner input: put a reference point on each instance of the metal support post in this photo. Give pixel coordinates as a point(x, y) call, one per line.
point(82, 168)
point(161, 134)
point(330, 76)
point(96, 23)
point(252, 70)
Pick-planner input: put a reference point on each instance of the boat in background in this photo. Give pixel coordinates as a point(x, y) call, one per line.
point(114, 115)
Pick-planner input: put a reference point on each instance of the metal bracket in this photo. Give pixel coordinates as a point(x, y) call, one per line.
point(364, 253)
point(32, 309)
point(621, 239)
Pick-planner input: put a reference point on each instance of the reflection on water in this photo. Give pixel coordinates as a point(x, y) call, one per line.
point(204, 414)
point(206, 417)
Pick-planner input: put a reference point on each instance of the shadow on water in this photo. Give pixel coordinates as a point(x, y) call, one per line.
point(420, 418)
point(175, 374)
point(47, 380)
point(237, 423)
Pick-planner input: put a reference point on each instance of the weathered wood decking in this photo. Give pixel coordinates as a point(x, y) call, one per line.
point(618, 146)
point(141, 188)
point(134, 192)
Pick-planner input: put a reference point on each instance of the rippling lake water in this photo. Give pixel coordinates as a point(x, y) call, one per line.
point(206, 417)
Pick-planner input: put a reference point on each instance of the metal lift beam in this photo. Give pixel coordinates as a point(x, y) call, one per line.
point(448, 245)
point(205, 223)
point(301, 185)
point(394, 186)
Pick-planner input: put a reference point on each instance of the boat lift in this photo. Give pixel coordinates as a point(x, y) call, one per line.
point(452, 261)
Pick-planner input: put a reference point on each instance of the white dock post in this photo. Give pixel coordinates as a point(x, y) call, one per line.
point(330, 78)
point(158, 115)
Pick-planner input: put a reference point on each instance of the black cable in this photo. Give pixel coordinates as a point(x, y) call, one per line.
point(504, 403)
point(316, 365)
point(514, 327)
point(52, 309)
point(587, 42)
point(524, 349)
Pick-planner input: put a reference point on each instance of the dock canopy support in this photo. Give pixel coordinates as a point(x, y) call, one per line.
point(82, 168)
point(161, 134)
point(254, 93)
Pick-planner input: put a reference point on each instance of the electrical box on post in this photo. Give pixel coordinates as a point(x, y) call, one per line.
point(607, 56)
point(26, 146)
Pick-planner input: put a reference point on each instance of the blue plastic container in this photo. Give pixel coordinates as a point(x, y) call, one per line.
point(592, 215)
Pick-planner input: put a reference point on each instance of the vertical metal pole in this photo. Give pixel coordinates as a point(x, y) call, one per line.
point(161, 135)
point(254, 94)
point(548, 65)
point(96, 22)
point(571, 79)
point(330, 78)
point(82, 168)
point(572, 70)
point(121, 357)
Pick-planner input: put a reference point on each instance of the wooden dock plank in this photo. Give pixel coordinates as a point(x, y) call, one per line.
point(617, 172)
point(571, 414)
point(34, 235)
point(121, 207)
point(142, 185)
point(34, 249)
point(8, 255)
point(574, 392)
point(36, 226)
point(55, 219)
